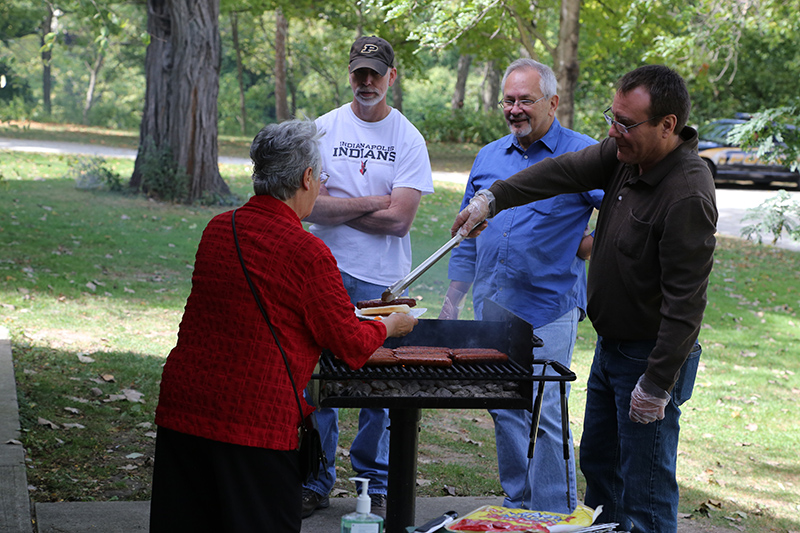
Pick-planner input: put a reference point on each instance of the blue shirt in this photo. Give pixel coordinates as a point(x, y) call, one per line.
point(526, 260)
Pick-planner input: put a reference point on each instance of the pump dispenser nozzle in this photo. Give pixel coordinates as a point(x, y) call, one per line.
point(363, 503)
point(362, 521)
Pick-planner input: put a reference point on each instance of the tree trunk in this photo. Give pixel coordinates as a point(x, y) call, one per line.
point(93, 71)
point(397, 93)
point(239, 71)
point(158, 73)
point(47, 27)
point(566, 61)
point(462, 71)
point(491, 87)
point(281, 100)
point(293, 98)
point(182, 72)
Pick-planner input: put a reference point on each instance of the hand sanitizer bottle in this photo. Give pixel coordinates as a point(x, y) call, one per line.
point(362, 521)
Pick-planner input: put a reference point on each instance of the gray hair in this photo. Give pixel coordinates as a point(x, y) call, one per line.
point(547, 79)
point(281, 153)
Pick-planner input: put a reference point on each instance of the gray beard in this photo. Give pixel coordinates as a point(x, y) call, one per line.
point(366, 101)
point(521, 133)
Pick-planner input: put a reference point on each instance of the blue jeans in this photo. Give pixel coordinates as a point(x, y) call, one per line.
point(540, 484)
point(630, 467)
point(369, 453)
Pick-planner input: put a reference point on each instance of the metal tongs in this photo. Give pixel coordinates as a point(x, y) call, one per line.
point(397, 288)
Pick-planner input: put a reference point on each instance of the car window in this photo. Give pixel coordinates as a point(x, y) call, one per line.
point(716, 132)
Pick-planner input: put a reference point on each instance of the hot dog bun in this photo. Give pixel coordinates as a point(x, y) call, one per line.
point(386, 310)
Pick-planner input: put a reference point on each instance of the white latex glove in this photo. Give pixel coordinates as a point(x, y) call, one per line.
point(453, 304)
point(648, 401)
point(471, 217)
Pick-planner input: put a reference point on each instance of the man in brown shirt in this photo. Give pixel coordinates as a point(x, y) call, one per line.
point(647, 285)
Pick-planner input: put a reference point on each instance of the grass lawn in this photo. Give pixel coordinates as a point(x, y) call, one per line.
point(92, 287)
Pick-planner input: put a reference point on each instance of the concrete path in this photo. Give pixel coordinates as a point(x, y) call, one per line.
point(56, 147)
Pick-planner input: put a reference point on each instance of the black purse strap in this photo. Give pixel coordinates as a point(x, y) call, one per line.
point(264, 314)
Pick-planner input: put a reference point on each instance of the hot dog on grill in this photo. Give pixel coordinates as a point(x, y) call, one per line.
point(439, 359)
point(382, 357)
point(478, 355)
point(422, 349)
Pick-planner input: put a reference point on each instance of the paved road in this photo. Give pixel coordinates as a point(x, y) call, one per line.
point(732, 201)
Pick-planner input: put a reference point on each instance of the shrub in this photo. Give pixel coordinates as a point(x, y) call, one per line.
point(162, 178)
point(92, 173)
point(461, 126)
point(773, 216)
point(211, 198)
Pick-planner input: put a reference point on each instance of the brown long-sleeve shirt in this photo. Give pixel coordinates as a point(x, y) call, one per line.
point(653, 248)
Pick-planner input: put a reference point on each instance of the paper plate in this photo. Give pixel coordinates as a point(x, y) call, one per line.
point(416, 312)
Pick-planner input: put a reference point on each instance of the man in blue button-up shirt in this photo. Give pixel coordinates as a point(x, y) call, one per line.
point(530, 261)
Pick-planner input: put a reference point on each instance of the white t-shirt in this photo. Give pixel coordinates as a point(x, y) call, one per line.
point(364, 159)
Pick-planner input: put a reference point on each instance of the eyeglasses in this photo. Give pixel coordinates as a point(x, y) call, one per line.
point(622, 128)
point(508, 103)
point(323, 177)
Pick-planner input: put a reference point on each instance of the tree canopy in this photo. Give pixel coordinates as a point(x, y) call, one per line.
point(88, 58)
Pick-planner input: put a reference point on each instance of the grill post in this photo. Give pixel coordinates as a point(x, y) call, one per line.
point(403, 447)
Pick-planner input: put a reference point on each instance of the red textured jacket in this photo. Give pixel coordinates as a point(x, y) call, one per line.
point(225, 380)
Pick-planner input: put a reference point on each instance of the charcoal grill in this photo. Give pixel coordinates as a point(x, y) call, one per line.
point(339, 386)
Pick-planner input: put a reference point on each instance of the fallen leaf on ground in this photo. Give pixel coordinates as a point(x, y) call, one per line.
point(44, 422)
point(133, 395)
point(76, 399)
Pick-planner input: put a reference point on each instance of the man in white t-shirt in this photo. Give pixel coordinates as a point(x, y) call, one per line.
point(378, 169)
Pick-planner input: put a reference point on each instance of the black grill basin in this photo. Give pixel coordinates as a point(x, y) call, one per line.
point(405, 390)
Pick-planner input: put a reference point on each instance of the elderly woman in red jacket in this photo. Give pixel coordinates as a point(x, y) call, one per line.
point(226, 451)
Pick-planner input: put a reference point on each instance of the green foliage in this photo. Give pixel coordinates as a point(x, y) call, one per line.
point(13, 86)
point(774, 134)
point(162, 178)
point(726, 50)
point(86, 31)
point(428, 108)
point(17, 108)
point(19, 18)
point(773, 216)
point(460, 126)
point(215, 199)
point(92, 173)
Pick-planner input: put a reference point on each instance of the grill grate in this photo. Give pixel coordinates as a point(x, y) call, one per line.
point(334, 369)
